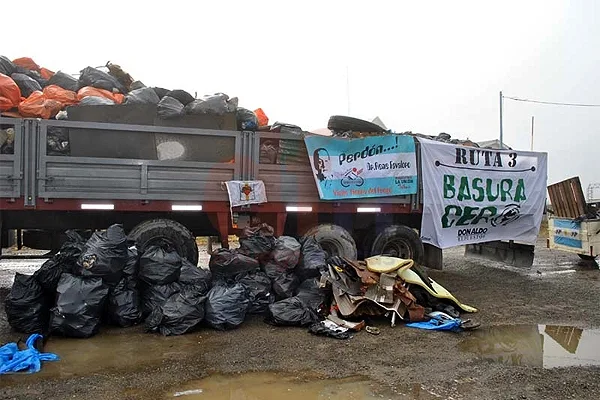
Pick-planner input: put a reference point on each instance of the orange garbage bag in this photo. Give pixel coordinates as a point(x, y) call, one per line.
point(92, 91)
point(46, 73)
point(64, 96)
point(27, 63)
point(262, 118)
point(39, 106)
point(10, 94)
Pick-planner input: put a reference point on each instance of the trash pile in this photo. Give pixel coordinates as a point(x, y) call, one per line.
point(106, 280)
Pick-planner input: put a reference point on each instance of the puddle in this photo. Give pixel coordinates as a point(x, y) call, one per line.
point(274, 386)
point(547, 346)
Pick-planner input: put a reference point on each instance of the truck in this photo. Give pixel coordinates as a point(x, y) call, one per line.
point(165, 182)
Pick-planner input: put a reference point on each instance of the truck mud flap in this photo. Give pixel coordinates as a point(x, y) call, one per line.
point(515, 254)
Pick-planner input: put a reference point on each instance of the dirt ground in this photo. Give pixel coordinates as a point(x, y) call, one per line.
point(400, 363)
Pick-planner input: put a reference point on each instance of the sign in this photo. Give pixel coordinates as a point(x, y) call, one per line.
point(473, 195)
point(376, 166)
point(243, 193)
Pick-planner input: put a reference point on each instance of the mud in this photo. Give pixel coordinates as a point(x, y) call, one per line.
point(406, 363)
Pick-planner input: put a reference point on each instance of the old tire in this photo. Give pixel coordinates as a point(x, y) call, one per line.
point(335, 240)
point(399, 241)
point(165, 230)
point(341, 123)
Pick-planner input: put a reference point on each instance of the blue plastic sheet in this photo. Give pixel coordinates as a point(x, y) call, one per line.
point(438, 325)
point(29, 360)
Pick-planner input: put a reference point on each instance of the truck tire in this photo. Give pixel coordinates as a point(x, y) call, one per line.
point(153, 231)
point(341, 123)
point(335, 240)
point(399, 241)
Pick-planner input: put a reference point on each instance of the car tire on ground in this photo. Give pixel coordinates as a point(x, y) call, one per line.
point(399, 241)
point(335, 240)
point(155, 231)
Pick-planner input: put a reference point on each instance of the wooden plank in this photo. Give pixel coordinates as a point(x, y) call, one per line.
point(568, 198)
point(579, 197)
point(560, 208)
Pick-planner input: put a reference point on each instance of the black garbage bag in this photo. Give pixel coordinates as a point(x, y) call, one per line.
point(291, 312)
point(226, 263)
point(26, 84)
point(95, 101)
point(257, 242)
point(161, 92)
point(159, 266)
point(137, 85)
point(313, 260)
point(64, 81)
point(286, 253)
point(181, 95)
point(155, 296)
point(7, 67)
point(168, 108)
point(79, 306)
point(35, 76)
point(329, 329)
point(105, 255)
point(142, 96)
point(285, 285)
point(216, 104)
point(311, 294)
point(226, 305)
point(64, 261)
point(181, 313)
point(133, 261)
point(246, 120)
point(57, 142)
point(196, 277)
point(258, 287)
point(124, 305)
point(99, 79)
point(25, 306)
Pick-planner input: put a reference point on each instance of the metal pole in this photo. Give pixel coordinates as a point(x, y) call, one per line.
point(501, 142)
point(532, 133)
point(348, 87)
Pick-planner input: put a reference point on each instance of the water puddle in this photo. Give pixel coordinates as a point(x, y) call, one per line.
point(274, 386)
point(547, 346)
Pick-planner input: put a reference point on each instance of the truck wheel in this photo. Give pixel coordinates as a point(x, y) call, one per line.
point(165, 230)
point(399, 241)
point(335, 240)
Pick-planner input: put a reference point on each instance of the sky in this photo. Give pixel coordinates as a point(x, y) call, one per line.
point(426, 67)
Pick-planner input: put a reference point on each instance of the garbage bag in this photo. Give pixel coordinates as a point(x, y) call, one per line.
point(286, 253)
point(181, 313)
point(261, 117)
point(258, 287)
point(64, 261)
point(29, 360)
point(159, 266)
point(64, 96)
point(311, 294)
point(26, 84)
point(10, 94)
point(137, 85)
point(87, 91)
point(95, 101)
point(25, 305)
point(161, 92)
point(168, 107)
point(120, 75)
point(142, 96)
point(330, 329)
point(226, 305)
point(246, 120)
point(79, 306)
point(196, 277)
point(101, 80)
point(133, 260)
point(291, 312)
point(181, 95)
point(27, 63)
point(257, 242)
point(217, 104)
point(285, 285)
point(155, 296)
point(124, 305)
point(46, 74)
point(105, 255)
point(313, 260)
point(7, 67)
point(65, 81)
point(228, 263)
point(39, 106)
point(57, 141)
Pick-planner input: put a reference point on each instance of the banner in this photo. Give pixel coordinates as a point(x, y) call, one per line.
point(376, 166)
point(243, 193)
point(473, 195)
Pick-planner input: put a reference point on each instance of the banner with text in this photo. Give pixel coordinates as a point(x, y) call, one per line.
point(473, 195)
point(376, 166)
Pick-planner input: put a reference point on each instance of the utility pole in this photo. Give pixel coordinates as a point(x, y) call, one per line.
point(348, 87)
point(532, 133)
point(501, 142)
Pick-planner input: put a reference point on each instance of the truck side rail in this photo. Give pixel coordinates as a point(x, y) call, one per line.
point(12, 165)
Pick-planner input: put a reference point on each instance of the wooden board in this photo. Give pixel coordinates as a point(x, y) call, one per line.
point(567, 198)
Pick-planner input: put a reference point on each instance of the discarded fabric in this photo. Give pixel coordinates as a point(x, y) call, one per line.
point(29, 360)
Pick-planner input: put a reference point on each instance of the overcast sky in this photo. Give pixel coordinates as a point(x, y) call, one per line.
point(427, 67)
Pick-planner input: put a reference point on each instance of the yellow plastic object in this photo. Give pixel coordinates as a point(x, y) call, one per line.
point(385, 265)
point(410, 276)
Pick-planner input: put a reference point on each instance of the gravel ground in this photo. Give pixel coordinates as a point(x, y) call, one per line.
point(128, 364)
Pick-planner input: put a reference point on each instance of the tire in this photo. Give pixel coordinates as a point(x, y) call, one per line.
point(585, 257)
point(152, 231)
point(335, 240)
point(399, 241)
point(341, 123)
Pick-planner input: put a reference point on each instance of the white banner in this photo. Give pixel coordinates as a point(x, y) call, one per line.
point(243, 193)
point(473, 195)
